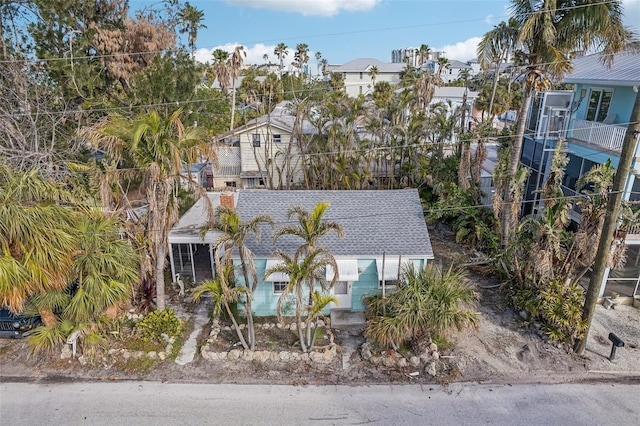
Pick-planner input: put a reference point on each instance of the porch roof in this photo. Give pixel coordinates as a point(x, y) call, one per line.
point(187, 230)
point(347, 270)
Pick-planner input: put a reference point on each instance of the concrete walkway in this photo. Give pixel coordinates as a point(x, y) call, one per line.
point(347, 326)
point(200, 319)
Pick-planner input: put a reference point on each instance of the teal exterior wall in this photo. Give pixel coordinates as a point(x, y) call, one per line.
point(265, 301)
point(621, 101)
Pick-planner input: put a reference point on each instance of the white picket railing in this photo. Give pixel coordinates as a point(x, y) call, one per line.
point(607, 136)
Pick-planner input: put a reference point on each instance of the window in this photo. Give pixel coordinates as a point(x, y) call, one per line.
point(599, 102)
point(277, 138)
point(388, 283)
point(256, 140)
point(279, 286)
point(231, 183)
point(360, 76)
point(360, 90)
point(251, 182)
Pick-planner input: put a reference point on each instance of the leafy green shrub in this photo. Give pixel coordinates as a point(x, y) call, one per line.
point(558, 307)
point(157, 323)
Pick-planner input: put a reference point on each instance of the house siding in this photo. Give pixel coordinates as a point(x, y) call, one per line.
point(265, 301)
point(595, 142)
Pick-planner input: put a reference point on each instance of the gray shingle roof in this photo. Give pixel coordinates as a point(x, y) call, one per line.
point(280, 117)
point(374, 222)
point(363, 64)
point(590, 69)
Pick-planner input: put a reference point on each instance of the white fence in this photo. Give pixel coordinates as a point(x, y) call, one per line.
point(607, 136)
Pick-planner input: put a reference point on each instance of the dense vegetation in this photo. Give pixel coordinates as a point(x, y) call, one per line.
point(114, 105)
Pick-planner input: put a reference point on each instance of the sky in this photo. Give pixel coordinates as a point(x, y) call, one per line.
point(343, 30)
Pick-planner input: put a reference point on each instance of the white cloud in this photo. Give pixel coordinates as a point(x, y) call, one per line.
point(309, 7)
point(255, 54)
point(632, 13)
point(489, 19)
point(461, 51)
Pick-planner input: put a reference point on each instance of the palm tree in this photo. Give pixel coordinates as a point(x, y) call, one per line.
point(234, 234)
point(191, 20)
point(550, 32)
point(495, 48)
point(324, 63)
point(301, 57)
point(281, 51)
point(265, 58)
point(423, 91)
point(37, 238)
point(373, 73)
point(443, 63)
point(157, 148)
point(423, 53)
point(235, 65)
point(310, 227)
point(427, 303)
point(104, 270)
point(318, 56)
point(220, 70)
point(305, 269)
point(223, 294)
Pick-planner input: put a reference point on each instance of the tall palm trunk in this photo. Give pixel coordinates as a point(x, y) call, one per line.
point(494, 88)
point(303, 345)
point(233, 103)
point(247, 304)
point(514, 160)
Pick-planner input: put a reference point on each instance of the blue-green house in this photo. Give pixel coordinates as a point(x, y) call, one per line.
point(383, 229)
point(593, 119)
point(382, 224)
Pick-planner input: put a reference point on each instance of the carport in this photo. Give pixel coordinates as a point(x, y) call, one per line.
point(190, 254)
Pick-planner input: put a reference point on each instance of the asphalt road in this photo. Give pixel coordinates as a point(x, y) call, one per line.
point(147, 403)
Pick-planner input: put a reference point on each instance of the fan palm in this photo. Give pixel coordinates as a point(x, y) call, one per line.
point(37, 238)
point(427, 303)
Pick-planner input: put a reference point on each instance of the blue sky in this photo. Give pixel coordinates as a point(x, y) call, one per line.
point(342, 30)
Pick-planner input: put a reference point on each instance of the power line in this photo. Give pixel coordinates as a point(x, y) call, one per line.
point(396, 28)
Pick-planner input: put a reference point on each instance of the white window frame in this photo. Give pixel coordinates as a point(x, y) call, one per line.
point(255, 139)
point(279, 284)
point(602, 91)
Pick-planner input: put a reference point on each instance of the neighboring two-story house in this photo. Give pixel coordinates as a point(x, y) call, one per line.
point(357, 80)
point(593, 118)
point(263, 153)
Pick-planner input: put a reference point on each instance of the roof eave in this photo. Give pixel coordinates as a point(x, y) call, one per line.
point(608, 82)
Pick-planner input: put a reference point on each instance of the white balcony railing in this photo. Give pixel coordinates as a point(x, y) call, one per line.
point(607, 136)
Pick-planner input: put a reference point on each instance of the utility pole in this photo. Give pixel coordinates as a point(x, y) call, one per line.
point(610, 221)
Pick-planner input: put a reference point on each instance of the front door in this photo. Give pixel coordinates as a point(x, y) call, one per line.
point(342, 293)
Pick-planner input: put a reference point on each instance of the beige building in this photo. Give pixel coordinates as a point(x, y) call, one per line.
point(357, 80)
point(263, 153)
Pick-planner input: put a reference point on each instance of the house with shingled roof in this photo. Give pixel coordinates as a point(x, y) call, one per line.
point(264, 153)
point(383, 229)
point(357, 80)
